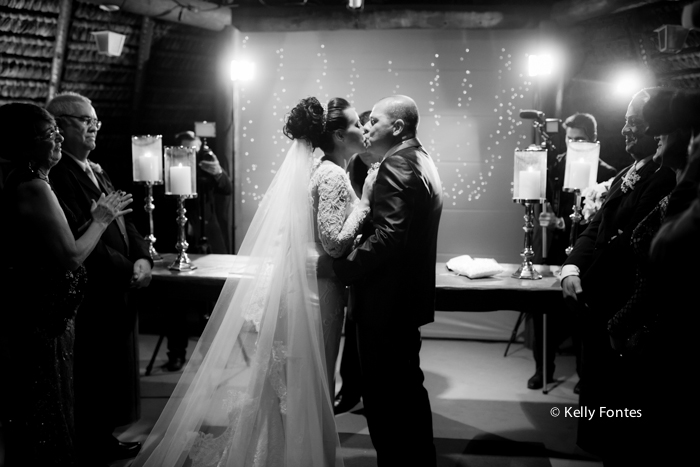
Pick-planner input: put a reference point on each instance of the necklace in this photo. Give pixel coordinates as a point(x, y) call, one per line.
point(39, 174)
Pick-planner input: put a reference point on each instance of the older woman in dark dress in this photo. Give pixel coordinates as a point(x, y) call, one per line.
point(42, 278)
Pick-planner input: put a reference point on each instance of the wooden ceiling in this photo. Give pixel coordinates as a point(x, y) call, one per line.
point(299, 15)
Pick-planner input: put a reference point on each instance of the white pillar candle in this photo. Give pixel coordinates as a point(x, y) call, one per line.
point(580, 172)
point(529, 184)
point(148, 168)
point(180, 180)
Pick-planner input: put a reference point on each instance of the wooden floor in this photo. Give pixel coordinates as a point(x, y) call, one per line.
point(483, 413)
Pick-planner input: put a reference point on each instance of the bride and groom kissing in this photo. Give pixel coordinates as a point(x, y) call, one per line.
point(258, 389)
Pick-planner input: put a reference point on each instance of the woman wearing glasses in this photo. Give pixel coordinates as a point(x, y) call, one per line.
point(43, 279)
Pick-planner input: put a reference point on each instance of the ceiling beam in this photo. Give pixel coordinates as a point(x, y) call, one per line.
point(375, 18)
point(567, 12)
point(314, 18)
point(198, 13)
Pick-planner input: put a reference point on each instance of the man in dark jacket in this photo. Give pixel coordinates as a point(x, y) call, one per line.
point(392, 273)
point(598, 278)
point(106, 347)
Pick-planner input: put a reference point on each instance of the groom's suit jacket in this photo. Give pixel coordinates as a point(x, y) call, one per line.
point(393, 269)
point(105, 323)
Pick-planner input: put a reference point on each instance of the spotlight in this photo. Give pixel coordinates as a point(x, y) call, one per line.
point(242, 70)
point(540, 65)
point(356, 4)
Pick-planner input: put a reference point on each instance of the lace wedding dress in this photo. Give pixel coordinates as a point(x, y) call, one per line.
point(255, 391)
point(338, 217)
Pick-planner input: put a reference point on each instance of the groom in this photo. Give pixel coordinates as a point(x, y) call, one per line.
point(392, 273)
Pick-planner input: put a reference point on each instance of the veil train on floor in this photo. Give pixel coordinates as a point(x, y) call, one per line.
point(255, 391)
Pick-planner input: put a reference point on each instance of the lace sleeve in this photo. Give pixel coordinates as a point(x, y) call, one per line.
point(336, 231)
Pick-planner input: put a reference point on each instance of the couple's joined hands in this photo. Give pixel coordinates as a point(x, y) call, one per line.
point(109, 207)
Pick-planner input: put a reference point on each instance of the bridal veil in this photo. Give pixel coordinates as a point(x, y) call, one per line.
point(255, 391)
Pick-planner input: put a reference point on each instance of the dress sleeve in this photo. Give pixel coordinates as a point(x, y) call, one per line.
point(337, 232)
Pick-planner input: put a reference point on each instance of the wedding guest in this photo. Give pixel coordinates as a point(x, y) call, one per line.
point(661, 342)
point(556, 219)
point(106, 326)
point(598, 278)
point(44, 281)
point(392, 273)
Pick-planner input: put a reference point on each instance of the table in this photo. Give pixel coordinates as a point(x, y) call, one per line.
point(452, 292)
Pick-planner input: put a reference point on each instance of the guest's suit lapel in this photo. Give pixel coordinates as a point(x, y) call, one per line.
point(85, 182)
point(106, 186)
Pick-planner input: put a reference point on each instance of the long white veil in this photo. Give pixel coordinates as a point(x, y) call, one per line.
point(255, 391)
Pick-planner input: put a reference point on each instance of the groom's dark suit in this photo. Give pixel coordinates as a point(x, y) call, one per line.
point(392, 274)
point(106, 356)
point(607, 264)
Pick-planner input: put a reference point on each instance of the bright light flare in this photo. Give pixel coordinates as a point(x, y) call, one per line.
point(628, 83)
point(242, 70)
point(538, 65)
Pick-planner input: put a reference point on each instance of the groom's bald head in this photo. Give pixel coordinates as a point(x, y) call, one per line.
point(393, 120)
point(403, 108)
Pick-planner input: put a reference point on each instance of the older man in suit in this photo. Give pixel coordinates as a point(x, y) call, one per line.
point(106, 349)
point(597, 279)
point(392, 273)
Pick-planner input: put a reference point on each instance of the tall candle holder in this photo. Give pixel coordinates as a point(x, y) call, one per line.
point(181, 181)
point(529, 185)
point(147, 169)
point(580, 172)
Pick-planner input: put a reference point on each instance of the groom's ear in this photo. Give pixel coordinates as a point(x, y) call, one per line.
point(399, 126)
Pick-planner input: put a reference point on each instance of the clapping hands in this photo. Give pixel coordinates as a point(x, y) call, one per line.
point(109, 207)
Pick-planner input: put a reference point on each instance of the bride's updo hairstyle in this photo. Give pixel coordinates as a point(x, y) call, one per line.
point(307, 120)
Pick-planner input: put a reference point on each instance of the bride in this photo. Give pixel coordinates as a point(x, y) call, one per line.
point(256, 391)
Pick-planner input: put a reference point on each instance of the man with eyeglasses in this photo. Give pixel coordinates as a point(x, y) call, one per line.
point(106, 374)
point(555, 218)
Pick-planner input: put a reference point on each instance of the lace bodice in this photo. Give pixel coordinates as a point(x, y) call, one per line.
point(338, 215)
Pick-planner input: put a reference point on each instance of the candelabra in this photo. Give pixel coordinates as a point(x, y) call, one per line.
point(526, 269)
point(182, 262)
point(181, 181)
point(580, 172)
point(147, 166)
point(529, 184)
point(149, 207)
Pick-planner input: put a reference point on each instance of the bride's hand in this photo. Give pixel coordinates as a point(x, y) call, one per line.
point(368, 187)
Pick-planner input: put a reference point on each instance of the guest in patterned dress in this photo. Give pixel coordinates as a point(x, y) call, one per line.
point(43, 280)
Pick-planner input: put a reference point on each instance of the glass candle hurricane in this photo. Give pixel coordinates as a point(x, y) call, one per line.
point(530, 174)
point(180, 171)
point(147, 158)
point(581, 169)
